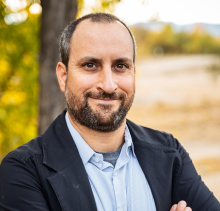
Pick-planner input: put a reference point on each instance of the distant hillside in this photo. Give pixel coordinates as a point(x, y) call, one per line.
point(212, 29)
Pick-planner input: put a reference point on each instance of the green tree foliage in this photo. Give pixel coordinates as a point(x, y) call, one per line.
point(167, 41)
point(18, 81)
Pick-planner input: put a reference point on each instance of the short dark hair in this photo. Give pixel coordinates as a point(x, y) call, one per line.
point(94, 17)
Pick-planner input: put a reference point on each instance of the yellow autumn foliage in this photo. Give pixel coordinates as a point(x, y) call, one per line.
point(13, 98)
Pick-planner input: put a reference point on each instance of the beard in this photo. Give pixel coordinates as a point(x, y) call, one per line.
point(102, 119)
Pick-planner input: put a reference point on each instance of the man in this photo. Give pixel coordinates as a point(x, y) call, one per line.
point(91, 157)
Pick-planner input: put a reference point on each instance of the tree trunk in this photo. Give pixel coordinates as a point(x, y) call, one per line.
point(56, 15)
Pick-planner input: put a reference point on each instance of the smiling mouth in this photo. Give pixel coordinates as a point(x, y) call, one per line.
point(104, 100)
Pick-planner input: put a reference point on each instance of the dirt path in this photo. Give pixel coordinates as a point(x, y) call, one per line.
point(178, 79)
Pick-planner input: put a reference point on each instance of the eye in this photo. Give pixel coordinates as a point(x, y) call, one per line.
point(121, 66)
point(89, 65)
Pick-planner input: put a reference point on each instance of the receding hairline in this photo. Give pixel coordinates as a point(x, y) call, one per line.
point(102, 21)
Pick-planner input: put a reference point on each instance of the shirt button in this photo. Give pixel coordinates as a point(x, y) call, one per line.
point(115, 173)
point(97, 160)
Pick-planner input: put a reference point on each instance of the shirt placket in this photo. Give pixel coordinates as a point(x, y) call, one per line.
point(119, 183)
point(117, 188)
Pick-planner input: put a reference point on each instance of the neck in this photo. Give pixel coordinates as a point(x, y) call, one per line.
point(101, 141)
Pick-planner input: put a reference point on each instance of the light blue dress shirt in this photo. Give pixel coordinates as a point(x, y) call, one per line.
point(123, 188)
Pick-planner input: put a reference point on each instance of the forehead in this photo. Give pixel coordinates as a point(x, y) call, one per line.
point(92, 37)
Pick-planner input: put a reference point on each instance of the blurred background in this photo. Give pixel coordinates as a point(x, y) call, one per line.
point(177, 70)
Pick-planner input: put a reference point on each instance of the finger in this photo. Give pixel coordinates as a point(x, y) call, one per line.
point(188, 209)
point(173, 207)
point(181, 206)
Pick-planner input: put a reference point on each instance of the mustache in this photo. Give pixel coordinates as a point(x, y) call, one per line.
point(104, 95)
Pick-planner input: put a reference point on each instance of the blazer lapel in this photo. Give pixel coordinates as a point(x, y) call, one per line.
point(156, 161)
point(70, 182)
point(72, 188)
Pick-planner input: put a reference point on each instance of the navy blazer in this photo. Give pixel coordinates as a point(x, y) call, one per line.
point(47, 173)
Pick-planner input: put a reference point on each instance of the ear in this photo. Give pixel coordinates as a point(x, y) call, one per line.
point(61, 75)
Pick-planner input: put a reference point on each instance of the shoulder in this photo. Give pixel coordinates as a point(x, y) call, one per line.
point(36, 146)
point(26, 151)
point(19, 166)
point(156, 140)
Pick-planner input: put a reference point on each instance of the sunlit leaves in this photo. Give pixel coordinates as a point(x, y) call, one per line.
point(88, 6)
point(18, 81)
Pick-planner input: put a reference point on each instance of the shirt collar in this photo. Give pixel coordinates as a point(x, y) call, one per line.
point(84, 149)
point(128, 140)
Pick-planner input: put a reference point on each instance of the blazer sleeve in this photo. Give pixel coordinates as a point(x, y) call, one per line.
point(190, 187)
point(20, 188)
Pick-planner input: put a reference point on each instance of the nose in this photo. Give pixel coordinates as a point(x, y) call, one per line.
point(107, 81)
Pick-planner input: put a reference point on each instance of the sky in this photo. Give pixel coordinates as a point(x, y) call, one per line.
point(176, 11)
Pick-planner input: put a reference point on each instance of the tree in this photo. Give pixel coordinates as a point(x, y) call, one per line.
point(56, 15)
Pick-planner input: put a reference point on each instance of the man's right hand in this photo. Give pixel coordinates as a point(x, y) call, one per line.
point(181, 206)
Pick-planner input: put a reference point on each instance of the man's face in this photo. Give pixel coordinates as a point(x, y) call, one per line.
point(101, 78)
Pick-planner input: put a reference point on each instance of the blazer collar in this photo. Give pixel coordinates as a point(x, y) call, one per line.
point(147, 136)
point(59, 149)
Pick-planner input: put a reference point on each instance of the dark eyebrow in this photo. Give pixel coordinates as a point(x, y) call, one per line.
point(123, 59)
point(92, 59)
point(89, 59)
